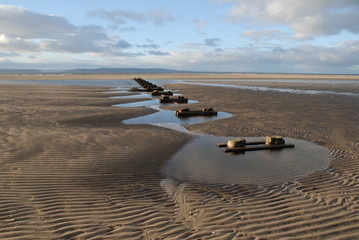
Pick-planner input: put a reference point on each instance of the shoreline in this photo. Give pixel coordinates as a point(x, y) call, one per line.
point(175, 76)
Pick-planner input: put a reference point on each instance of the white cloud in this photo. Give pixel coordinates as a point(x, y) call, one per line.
point(23, 31)
point(17, 44)
point(307, 18)
point(304, 58)
point(19, 22)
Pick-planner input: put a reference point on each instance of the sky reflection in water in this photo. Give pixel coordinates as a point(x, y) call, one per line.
point(201, 161)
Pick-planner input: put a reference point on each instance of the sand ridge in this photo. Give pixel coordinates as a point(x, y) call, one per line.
point(70, 170)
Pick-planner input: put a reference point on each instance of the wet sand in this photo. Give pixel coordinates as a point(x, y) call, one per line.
point(71, 170)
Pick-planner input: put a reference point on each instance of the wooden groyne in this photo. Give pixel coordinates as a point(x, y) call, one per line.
point(162, 93)
point(240, 145)
point(147, 86)
point(179, 99)
point(186, 112)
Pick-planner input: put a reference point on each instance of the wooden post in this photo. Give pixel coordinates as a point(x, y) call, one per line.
point(236, 143)
point(274, 140)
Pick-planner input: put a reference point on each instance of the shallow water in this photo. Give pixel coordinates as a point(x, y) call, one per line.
point(168, 119)
point(282, 90)
point(148, 103)
point(315, 81)
point(201, 161)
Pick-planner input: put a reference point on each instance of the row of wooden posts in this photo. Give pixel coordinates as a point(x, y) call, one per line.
point(238, 145)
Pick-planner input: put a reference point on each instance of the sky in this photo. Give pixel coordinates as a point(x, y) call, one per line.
point(279, 36)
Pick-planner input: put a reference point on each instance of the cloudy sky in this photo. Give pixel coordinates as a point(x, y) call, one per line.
point(301, 36)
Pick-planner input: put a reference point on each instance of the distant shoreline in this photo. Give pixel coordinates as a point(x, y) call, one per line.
point(174, 76)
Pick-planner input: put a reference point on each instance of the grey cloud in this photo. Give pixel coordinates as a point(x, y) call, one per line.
point(212, 42)
point(123, 44)
point(160, 16)
point(119, 16)
point(84, 39)
point(8, 54)
point(209, 42)
point(130, 54)
point(266, 34)
point(70, 45)
point(200, 23)
point(278, 49)
point(154, 46)
point(158, 53)
point(306, 17)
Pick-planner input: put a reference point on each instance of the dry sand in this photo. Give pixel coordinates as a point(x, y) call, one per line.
point(71, 170)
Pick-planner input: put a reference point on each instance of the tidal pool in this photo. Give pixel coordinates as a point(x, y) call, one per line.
point(148, 103)
point(201, 161)
point(168, 119)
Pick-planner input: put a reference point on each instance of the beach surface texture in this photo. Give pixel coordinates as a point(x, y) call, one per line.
point(70, 169)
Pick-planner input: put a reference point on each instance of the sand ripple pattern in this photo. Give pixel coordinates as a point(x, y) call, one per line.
point(78, 179)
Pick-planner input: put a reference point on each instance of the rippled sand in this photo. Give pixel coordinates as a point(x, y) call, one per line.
point(71, 170)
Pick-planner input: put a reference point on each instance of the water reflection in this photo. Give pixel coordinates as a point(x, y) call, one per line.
point(168, 119)
point(201, 161)
point(282, 90)
point(311, 81)
point(148, 103)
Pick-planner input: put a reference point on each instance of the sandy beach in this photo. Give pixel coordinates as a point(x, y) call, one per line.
point(71, 170)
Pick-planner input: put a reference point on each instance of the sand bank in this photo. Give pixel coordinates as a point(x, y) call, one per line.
point(71, 170)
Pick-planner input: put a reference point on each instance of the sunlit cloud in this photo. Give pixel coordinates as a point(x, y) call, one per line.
point(306, 18)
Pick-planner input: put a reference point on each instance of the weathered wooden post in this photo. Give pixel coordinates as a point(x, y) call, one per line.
point(236, 143)
point(274, 140)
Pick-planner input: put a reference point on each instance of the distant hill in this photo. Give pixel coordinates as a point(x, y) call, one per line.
point(91, 71)
point(20, 71)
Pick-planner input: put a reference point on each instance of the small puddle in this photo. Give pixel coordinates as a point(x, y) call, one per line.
point(201, 161)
